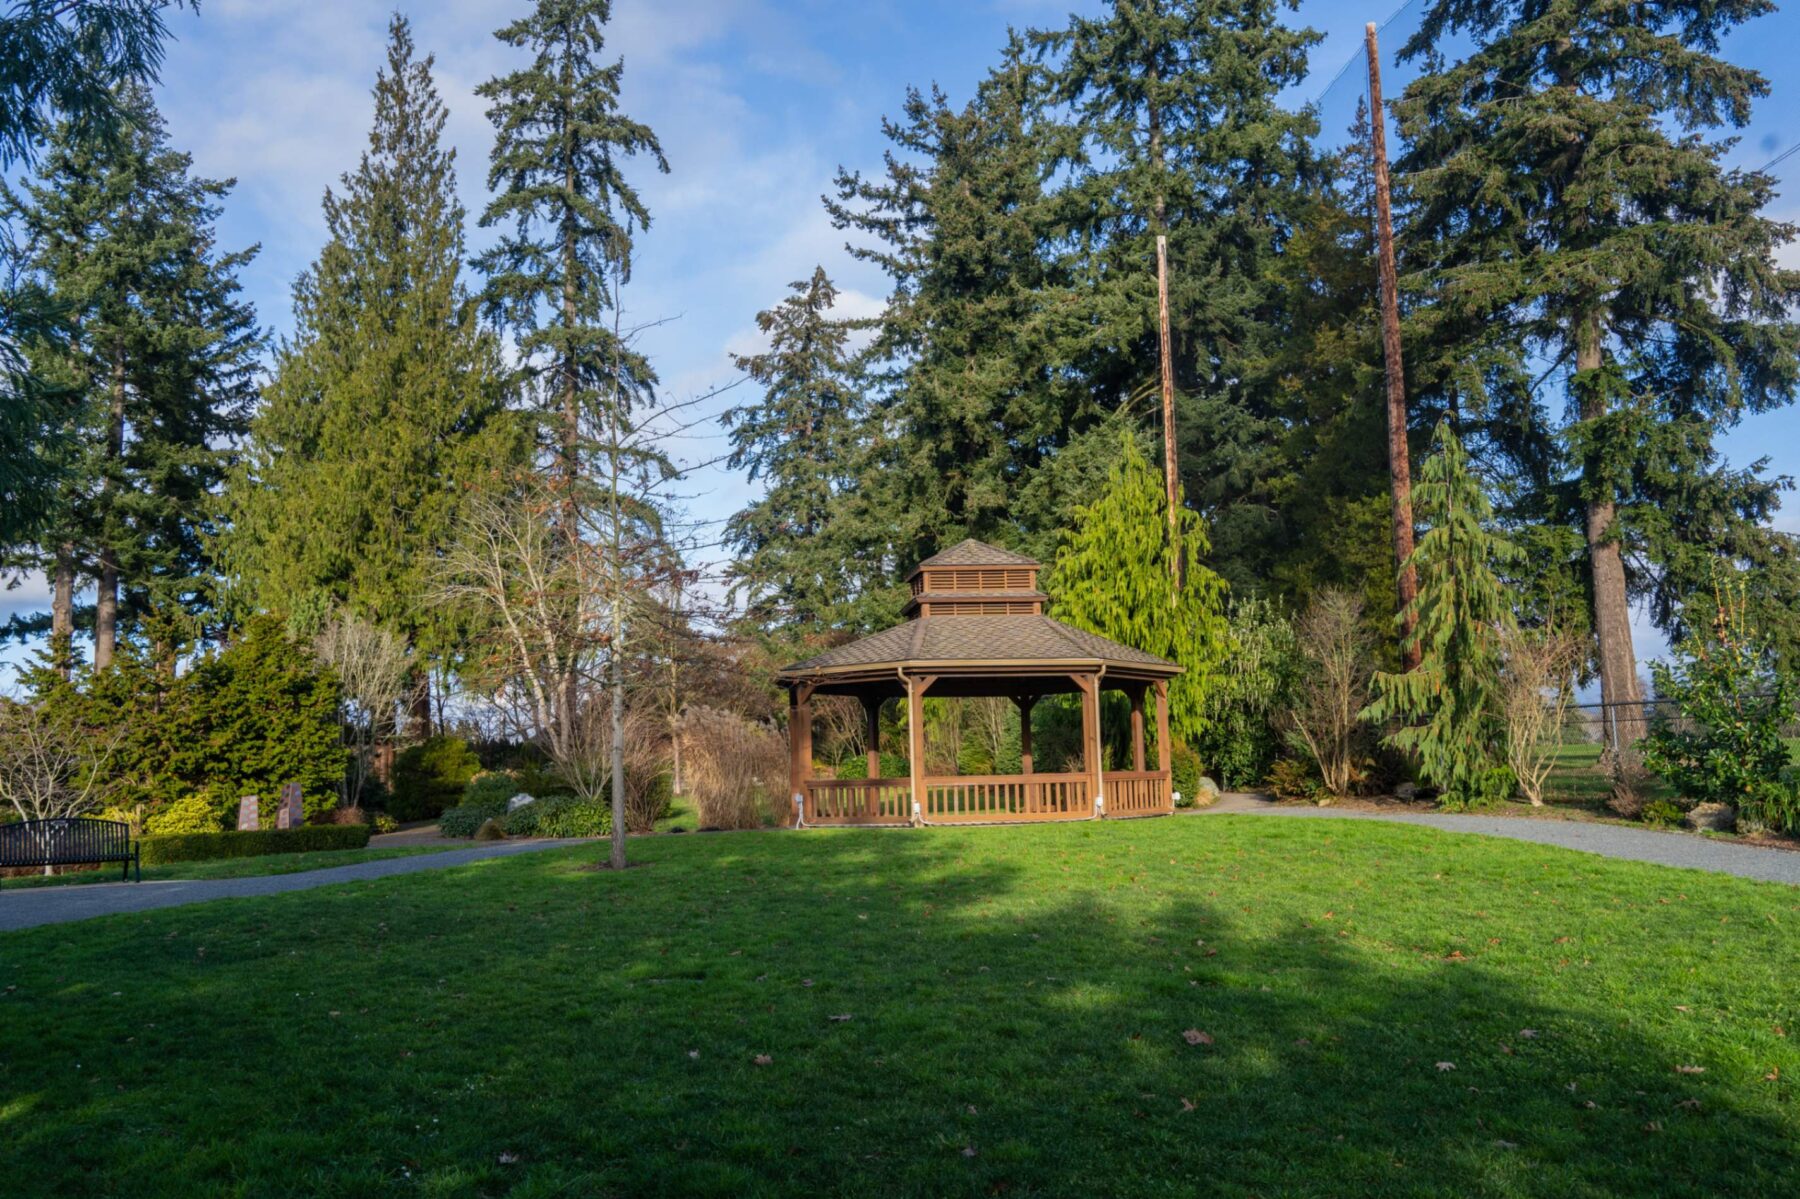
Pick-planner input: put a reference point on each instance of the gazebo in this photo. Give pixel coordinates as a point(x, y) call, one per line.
point(976, 627)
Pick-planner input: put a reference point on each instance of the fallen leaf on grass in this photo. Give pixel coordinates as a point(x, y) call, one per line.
point(694, 1053)
point(1653, 1126)
point(968, 1151)
point(763, 1059)
point(1691, 1105)
point(1446, 1065)
point(507, 1159)
point(806, 982)
point(1690, 1069)
point(1773, 1075)
point(1528, 1033)
point(1187, 1105)
point(1194, 1036)
point(839, 1019)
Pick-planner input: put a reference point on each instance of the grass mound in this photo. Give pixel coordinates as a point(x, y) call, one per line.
point(1224, 1005)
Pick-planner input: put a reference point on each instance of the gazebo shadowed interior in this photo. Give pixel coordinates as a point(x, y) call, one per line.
point(977, 628)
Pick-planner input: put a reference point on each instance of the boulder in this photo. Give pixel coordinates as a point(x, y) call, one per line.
point(490, 830)
point(1205, 791)
point(1711, 817)
point(1406, 792)
point(518, 801)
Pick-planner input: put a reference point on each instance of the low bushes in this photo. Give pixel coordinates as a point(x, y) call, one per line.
point(206, 847)
point(430, 777)
point(551, 816)
point(735, 770)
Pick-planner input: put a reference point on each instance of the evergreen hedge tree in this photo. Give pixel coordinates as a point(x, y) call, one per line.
point(1112, 576)
point(387, 407)
point(1449, 704)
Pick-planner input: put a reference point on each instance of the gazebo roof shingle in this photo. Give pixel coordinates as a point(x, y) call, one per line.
point(970, 552)
point(995, 639)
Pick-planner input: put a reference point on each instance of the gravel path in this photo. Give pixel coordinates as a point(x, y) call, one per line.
point(1608, 840)
point(28, 907)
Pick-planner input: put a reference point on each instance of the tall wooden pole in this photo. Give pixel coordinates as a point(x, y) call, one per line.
point(1168, 400)
point(1399, 465)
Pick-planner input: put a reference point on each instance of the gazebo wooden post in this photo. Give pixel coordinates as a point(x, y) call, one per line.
point(915, 731)
point(1137, 727)
point(799, 739)
point(1033, 793)
point(1165, 758)
point(872, 733)
point(1090, 733)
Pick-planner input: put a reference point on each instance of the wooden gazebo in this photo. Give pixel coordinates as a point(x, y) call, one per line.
point(976, 627)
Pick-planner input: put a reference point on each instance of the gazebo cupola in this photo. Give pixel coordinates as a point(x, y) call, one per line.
point(976, 627)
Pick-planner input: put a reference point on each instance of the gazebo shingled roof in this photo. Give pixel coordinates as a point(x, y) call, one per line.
point(976, 627)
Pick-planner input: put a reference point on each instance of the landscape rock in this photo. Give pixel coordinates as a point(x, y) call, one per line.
point(1712, 817)
point(518, 801)
point(1205, 791)
point(490, 830)
point(1407, 792)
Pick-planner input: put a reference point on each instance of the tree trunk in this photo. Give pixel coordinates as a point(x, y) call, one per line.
point(418, 707)
point(1399, 461)
point(675, 755)
point(62, 609)
point(618, 741)
point(106, 603)
point(1606, 564)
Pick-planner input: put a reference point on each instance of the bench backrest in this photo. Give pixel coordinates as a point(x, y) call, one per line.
point(63, 842)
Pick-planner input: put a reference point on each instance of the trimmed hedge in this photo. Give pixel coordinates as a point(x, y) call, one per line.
point(550, 816)
point(464, 819)
point(251, 843)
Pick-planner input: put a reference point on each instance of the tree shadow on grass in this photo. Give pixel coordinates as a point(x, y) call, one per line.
point(982, 1012)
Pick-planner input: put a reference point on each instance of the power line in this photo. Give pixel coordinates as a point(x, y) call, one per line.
point(1357, 55)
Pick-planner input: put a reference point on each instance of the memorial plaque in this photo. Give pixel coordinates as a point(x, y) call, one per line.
point(250, 813)
point(290, 814)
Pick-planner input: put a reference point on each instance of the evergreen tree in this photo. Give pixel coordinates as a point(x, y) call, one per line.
point(970, 379)
point(798, 440)
point(1569, 213)
point(1175, 127)
point(1111, 576)
point(1449, 702)
point(156, 356)
point(387, 406)
point(558, 171)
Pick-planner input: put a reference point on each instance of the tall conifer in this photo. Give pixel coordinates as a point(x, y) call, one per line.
point(1572, 219)
point(387, 405)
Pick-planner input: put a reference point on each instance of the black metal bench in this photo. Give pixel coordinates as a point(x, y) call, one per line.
point(69, 843)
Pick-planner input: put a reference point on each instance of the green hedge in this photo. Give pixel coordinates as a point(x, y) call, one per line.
point(206, 847)
point(550, 816)
point(429, 777)
point(464, 819)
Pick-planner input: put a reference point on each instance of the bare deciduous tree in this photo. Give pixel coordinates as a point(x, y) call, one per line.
point(1334, 688)
point(50, 768)
point(1537, 684)
point(371, 667)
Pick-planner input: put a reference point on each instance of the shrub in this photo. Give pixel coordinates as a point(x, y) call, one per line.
point(1242, 737)
point(1661, 811)
point(490, 830)
point(1292, 778)
point(1184, 770)
point(1326, 719)
point(464, 819)
point(493, 787)
point(382, 822)
point(568, 816)
point(190, 814)
point(647, 798)
point(206, 847)
point(1725, 683)
point(430, 777)
point(1537, 683)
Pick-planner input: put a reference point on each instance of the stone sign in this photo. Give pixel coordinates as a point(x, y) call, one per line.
point(250, 813)
point(290, 814)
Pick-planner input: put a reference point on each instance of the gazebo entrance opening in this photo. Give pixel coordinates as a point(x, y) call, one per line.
point(977, 629)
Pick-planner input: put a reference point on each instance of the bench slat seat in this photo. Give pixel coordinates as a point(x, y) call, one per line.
point(69, 842)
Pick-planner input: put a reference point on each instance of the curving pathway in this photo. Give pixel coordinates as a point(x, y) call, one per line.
point(1688, 850)
point(29, 907)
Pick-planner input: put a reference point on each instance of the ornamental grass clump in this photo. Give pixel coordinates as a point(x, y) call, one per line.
point(735, 770)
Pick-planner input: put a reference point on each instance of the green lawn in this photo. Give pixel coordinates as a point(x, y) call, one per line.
point(1578, 781)
point(274, 863)
point(1377, 1009)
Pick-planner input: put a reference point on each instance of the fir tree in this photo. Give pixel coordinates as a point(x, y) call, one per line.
point(1449, 702)
point(558, 173)
point(386, 408)
point(971, 388)
point(1174, 127)
point(156, 356)
point(798, 441)
point(1111, 576)
point(1570, 213)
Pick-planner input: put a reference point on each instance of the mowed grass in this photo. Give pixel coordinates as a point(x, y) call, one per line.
point(264, 864)
point(1375, 1009)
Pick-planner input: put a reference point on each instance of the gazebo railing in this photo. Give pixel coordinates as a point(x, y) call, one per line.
point(975, 798)
point(1138, 793)
point(859, 801)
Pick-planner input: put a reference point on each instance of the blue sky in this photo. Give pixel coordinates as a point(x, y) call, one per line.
point(757, 102)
